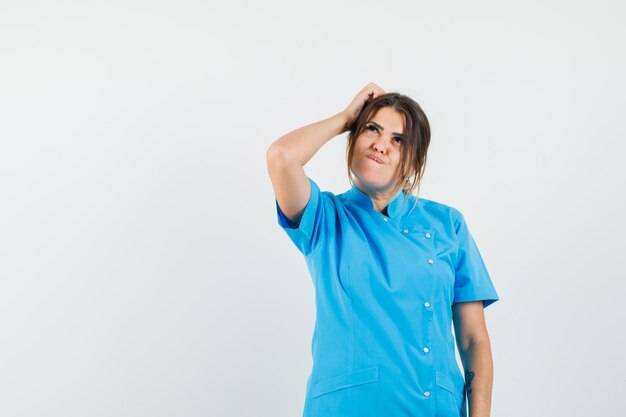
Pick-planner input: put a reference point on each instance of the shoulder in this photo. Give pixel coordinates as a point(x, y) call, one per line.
point(325, 198)
point(442, 218)
point(435, 210)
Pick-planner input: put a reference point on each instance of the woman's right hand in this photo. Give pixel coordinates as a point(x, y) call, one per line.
point(369, 92)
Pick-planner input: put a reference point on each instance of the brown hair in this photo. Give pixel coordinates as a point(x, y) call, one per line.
point(417, 132)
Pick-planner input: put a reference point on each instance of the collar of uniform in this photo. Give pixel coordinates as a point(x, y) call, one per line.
point(361, 199)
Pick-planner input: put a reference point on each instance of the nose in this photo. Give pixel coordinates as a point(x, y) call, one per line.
point(380, 144)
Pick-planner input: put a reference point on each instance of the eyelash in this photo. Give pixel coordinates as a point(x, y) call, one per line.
point(374, 128)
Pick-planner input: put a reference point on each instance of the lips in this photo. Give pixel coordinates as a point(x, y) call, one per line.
point(374, 158)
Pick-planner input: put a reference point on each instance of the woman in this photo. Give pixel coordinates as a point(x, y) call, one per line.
point(392, 273)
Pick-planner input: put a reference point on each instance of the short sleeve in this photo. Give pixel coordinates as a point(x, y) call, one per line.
point(309, 232)
point(472, 281)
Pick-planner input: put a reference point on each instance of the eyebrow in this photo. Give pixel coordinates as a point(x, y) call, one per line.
point(382, 128)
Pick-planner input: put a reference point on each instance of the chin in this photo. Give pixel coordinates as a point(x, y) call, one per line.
point(372, 179)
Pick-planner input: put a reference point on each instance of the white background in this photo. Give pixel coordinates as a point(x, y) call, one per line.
point(142, 269)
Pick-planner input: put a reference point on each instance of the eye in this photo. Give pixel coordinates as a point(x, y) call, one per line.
point(399, 139)
point(372, 128)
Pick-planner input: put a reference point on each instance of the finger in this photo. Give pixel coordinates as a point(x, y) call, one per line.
point(370, 88)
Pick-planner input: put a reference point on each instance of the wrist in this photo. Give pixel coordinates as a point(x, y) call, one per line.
point(344, 120)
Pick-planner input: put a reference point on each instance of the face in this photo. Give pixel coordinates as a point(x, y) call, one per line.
point(377, 151)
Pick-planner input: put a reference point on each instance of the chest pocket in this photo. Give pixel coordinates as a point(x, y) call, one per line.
point(347, 395)
point(425, 244)
point(433, 253)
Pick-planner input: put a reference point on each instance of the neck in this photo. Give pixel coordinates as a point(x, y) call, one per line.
point(380, 198)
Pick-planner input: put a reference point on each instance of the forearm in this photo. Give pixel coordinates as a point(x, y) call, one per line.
point(478, 364)
point(300, 145)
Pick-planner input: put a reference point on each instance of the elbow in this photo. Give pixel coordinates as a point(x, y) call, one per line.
point(276, 155)
point(474, 342)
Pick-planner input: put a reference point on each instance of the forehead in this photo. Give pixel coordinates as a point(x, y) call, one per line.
point(389, 118)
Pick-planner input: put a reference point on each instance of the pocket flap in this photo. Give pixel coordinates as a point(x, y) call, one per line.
point(350, 379)
point(445, 382)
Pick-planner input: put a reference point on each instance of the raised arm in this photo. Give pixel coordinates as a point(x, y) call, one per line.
point(287, 155)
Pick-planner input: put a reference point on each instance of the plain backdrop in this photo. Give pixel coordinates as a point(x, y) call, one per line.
point(142, 269)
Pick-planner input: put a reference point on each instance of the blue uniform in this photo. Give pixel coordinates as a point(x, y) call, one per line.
point(382, 344)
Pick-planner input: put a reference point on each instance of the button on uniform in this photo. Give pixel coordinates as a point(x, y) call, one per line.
point(426, 350)
point(406, 230)
point(427, 393)
point(426, 304)
point(428, 235)
point(430, 261)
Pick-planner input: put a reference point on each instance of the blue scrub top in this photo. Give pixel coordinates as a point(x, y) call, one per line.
point(382, 344)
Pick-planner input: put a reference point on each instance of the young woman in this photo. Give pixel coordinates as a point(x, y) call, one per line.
point(392, 272)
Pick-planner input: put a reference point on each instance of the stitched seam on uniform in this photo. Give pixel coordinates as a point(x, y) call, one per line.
point(377, 392)
point(322, 242)
point(456, 236)
point(352, 324)
point(348, 380)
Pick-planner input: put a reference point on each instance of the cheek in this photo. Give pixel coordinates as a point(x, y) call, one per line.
point(396, 158)
point(360, 146)
point(397, 165)
point(360, 140)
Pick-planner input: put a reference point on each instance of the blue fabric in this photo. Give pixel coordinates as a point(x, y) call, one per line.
point(384, 289)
